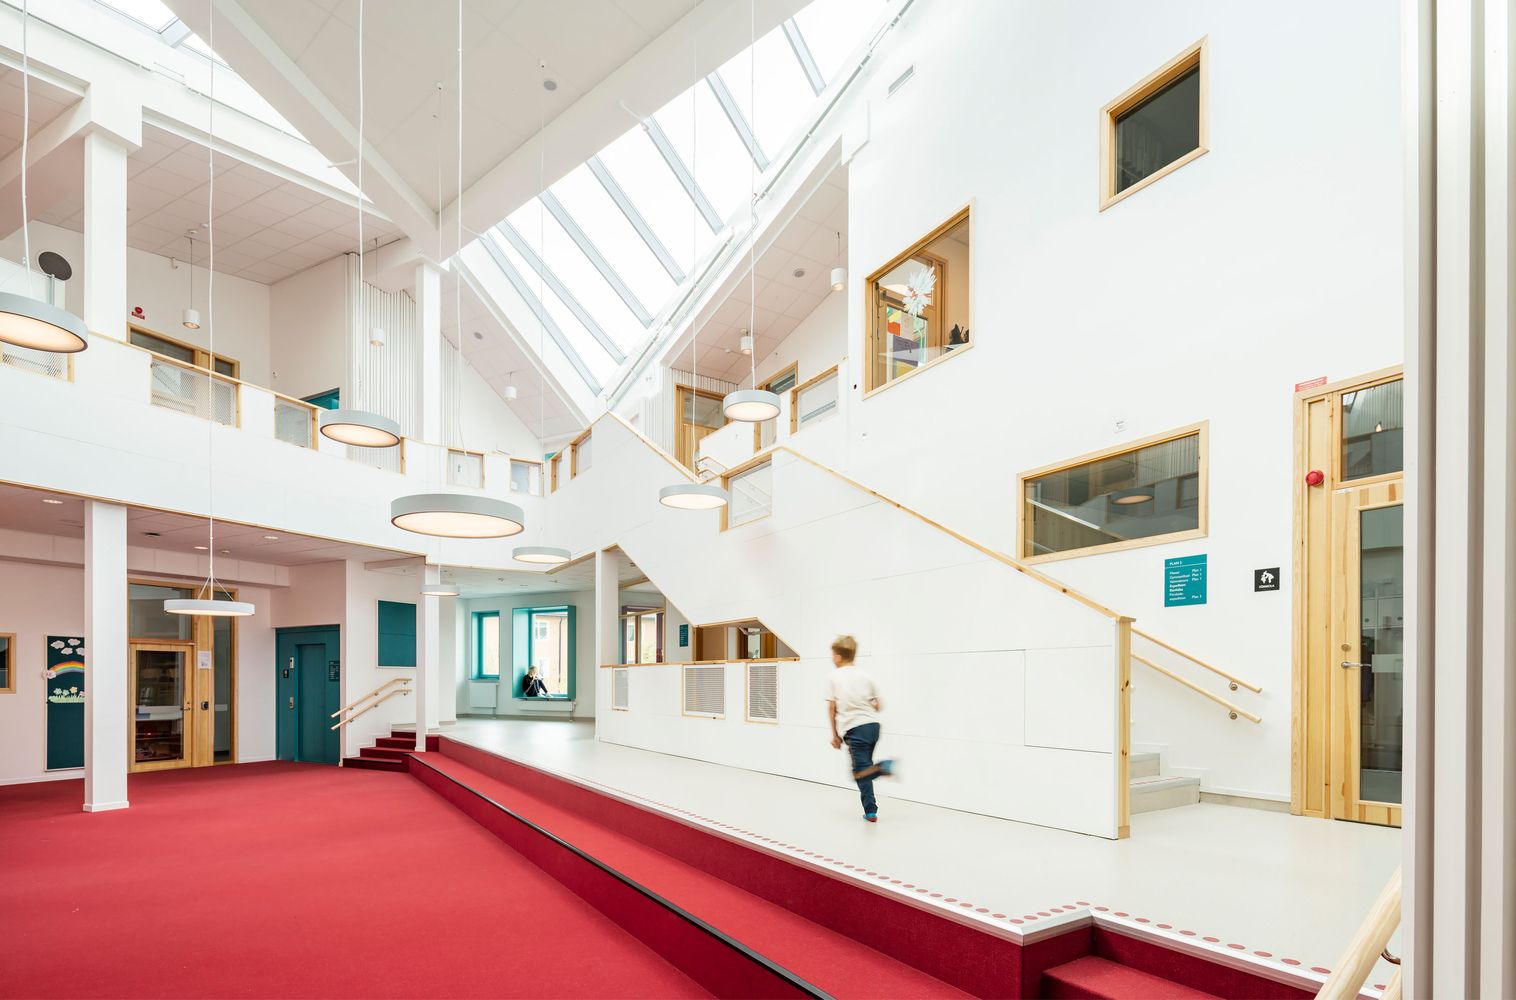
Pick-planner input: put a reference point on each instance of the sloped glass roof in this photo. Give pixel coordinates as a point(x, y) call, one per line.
point(602, 253)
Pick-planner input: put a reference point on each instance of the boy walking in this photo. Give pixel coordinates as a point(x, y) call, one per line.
point(853, 709)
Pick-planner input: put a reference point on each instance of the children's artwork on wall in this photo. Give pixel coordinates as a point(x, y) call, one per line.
point(65, 702)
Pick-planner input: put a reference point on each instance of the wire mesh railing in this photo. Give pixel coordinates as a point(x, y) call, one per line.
point(186, 389)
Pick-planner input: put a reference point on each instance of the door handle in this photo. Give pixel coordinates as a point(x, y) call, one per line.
point(1348, 663)
point(292, 701)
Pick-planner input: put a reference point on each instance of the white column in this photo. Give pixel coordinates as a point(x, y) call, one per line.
point(429, 309)
point(607, 619)
point(105, 723)
point(105, 302)
point(450, 643)
point(428, 657)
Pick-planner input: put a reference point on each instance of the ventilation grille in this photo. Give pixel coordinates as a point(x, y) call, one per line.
point(621, 689)
point(763, 692)
point(705, 691)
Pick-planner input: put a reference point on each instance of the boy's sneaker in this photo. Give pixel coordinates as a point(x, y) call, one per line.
point(887, 768)
point(871, 817)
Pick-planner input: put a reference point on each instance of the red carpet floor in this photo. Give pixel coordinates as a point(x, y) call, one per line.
point(291, 880)
point(835, 962)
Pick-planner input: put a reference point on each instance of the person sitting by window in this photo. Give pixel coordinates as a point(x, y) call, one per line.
point(533, 686)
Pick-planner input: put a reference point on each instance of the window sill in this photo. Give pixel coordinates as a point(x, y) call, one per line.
point(1106, 201)
point(1130, 543)
point(485, 680)
point(940, 359)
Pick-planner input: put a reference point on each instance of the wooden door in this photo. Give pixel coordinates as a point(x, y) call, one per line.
point(161, 730)
point(1368, 629)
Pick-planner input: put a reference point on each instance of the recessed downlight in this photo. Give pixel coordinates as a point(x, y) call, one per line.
point(52, 500)
point(202, 548)
point(270, 538)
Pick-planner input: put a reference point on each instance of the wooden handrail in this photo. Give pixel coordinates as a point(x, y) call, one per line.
point(358, 701)
point(1235, 680)
point(705, 663)
point(998, 556)
point(372, 705)
point(1352, 970)
point(1235, 710)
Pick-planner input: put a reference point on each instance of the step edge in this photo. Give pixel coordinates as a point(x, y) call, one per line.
point(1144, 976)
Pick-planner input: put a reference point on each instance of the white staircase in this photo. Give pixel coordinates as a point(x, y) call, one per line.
point(1153, 790)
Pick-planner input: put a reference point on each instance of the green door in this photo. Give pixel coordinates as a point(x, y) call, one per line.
point(309, 691)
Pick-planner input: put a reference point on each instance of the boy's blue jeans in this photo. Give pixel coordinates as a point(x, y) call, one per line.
point(860, 742)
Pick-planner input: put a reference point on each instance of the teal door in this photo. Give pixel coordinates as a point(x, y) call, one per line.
point(309, 691)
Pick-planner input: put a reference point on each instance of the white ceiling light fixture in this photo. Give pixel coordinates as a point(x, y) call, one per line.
point(839, 273)
point(457, 515)
point(541, 555)
point(690, 495)
point(190, 317)
point(25, 321)
point(351, 425)
point(752, 406)
point(510, 387)
point(206, 603)
point(745, 343)
point(439, 590)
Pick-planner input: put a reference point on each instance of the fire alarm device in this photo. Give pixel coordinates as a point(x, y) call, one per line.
point(1315, 477)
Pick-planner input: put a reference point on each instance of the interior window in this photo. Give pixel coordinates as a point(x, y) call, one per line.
point(486, 645)
point(1373, 430)
point(1144, 494)
point(920, 310)
point(1156, 127)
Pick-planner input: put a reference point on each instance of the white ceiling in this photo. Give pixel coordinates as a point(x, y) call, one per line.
point(24, 509)
point(473, 582)
point(266, 227)
point(809, 243)
point(47, 103)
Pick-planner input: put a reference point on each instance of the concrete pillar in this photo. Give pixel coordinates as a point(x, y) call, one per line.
point(451, 644)
point(428, 657)
point(105, 652)
point(607, 619)
point(429, 309)
point(105, 303)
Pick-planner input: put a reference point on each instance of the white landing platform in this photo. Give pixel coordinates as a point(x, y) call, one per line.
point(1257, 881)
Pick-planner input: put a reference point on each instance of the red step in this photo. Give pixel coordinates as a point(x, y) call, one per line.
point(388, 753)
point(433, 741)
point(397, 742)
point(375, 763)
point(1097, 978)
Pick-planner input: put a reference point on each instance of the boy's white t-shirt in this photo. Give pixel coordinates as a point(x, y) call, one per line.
point(853, 691)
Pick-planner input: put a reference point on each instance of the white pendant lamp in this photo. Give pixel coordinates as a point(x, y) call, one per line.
point(350, 425)
point(752, 406)
point(686, 495)
point(745, 343)
point(206, 603)
point(457, 515)
point(439, 590)
point(839, 273)
point(190, 317)
point(360, 427)
point(541, 555)
point(693, 496)
point(25, 321)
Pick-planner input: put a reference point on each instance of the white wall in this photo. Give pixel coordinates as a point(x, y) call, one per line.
point(585, 666)
point(38, 600)
point(242, 306)
point(815, 345)
point(307, 318)
point(360, 653)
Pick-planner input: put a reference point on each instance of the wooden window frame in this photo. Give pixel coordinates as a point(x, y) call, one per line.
point(478, 618)
point(573, 450)
point(201, 355)
point(808, 383)
point(541, 478)
point(689, 461)
point(1193, 57)
point(628, 706)
point(699, 665)
point(465, 451)
point(793, 368)
point(552, 465)
point(1201, 429)
point(631, 617)
point(870, 303)
point(726, 483)
point(9, 687)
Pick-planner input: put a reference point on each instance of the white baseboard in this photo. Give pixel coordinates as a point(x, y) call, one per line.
point(71, 775)
point(98, 807)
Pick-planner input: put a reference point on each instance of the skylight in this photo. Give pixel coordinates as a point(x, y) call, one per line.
point(611, 245)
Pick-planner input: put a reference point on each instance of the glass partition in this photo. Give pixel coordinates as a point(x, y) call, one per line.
point(920, 310)
point(1373, 431)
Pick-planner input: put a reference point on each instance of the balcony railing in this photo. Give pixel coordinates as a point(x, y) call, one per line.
point(194, 391)
point(294, 422)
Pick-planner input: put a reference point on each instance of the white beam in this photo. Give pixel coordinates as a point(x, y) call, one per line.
point(428, 658)
point(105, 234)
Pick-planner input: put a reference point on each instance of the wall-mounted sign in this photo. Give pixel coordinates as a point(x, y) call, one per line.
point(1265, 579)
point(1315, 383)
point(203, 660)
point(684, 635)
point(1183, 581)
point(65, 702)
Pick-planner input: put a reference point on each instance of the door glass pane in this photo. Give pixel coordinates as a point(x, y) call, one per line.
point(629, 639)
point(647, 633)
point(1158, 131)
point(221, 705)
point(1372, 431)
point(159, 725)
point(148, 620)
point(1381, 651)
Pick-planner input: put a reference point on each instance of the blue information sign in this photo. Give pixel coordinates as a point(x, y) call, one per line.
point(684, 636)
point(1183, 581)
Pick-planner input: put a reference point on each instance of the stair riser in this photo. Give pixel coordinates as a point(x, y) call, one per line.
point(1151, 800)
point(374, 764)
point(1144, 766)
point(384, 753)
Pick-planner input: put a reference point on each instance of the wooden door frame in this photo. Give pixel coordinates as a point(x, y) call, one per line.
point(680, 450)
point(202, 638)
point(188, 730)
point(1304, 749)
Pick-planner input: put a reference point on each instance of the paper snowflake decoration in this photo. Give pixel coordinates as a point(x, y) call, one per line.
point(918, 291)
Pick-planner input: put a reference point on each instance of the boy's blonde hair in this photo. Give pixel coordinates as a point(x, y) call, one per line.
point(846, 647)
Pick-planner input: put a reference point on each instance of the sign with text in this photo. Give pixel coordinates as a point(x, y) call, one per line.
point(1265, 579)
point(1183, 581)
point(684, 636)
point(1315, 383)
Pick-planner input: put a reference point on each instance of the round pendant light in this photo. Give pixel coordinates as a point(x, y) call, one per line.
point(457, 515)
point(751, 406)
point(359, 427)
point(28, 322)
point(439, 590)
point(693, 496)
point(839, 278)
point(542, 555)
point(211, 609)
point(190, 319)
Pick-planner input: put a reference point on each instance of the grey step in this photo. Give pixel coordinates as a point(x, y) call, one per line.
point(1143, 765)
point(1156, 792)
